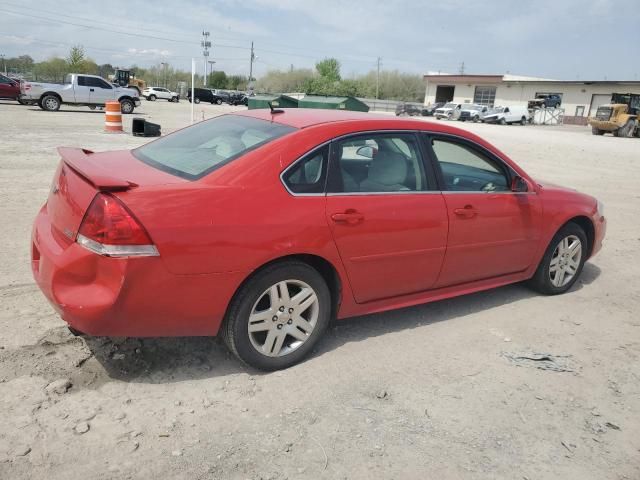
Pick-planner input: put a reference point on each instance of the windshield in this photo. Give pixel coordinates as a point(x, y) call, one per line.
point(473, 107)
point(195, 151)
point(495, 110)
point(450, 105)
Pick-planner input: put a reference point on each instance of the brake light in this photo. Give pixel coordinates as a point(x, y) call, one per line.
point(109, 229)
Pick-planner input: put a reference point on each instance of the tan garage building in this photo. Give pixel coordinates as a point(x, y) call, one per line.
point(580, 98)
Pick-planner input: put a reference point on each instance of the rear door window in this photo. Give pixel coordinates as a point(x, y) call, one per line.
point(195, 151)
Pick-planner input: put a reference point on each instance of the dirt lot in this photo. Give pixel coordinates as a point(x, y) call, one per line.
point(426, 392)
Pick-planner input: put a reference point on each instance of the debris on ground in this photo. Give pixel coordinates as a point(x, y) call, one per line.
point(59, 387)
point(541, 361)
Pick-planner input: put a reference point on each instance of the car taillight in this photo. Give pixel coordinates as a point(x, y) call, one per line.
point(109, 229)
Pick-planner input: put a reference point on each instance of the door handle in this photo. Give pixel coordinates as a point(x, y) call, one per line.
point(91, 89)
point(467, 212)
point(350, 217)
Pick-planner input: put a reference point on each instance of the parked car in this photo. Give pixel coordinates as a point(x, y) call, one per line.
point(78, 89)
point(472, 112)
point(153, 93)
point(171, 238)
point(9, 88)
point(450, 111)
point(409, 109)
point(204, 95)
point(545, 100)
point(238, 98)
point(430, 109)
point(508, 115)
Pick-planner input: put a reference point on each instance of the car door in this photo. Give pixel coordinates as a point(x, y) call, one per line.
point(81, 90)
point(387, 218)
point(7, 87)
point(99, 91)
point(493, 230)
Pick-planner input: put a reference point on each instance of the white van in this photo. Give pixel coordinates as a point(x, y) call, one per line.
point(511, 114)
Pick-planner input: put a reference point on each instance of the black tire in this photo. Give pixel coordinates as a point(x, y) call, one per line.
point(126, 106)
point(541, 280)
point(502, 121)
point(50, 103)
point(627, 129)
point(235, 327)
point(174, 99)
point(219, 101)
point(596, 131)
point(523, 121)
point(196, 100)
point(544, 105)
point(152, 98)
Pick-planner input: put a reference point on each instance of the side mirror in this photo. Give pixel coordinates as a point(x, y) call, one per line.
point(519, 184)
point(365, 151)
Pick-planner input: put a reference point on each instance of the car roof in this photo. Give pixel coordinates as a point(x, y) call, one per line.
point(308, 117)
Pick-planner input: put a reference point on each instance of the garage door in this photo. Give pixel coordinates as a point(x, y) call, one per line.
point(597, 100)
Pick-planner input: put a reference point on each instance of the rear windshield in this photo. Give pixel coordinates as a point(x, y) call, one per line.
point(202, 148)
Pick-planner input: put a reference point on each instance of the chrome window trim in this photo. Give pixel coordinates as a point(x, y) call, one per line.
point(295, 162)
point(419, 192)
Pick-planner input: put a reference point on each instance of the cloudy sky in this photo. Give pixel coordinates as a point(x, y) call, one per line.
point(564, 39)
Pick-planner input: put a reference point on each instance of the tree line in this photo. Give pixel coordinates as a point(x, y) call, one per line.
point(326, 79)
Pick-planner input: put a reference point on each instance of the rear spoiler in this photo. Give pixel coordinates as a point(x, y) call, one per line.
point(80, 161)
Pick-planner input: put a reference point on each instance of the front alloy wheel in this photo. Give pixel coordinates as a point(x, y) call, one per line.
point(563, 261)
point(278, 315)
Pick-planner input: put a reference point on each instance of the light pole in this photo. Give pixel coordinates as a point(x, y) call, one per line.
point(4, 63)
point(252, 59)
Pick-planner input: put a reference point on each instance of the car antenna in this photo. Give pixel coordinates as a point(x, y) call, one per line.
point(274, 110)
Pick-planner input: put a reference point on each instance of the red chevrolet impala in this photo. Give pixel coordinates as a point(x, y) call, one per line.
point(262, 226)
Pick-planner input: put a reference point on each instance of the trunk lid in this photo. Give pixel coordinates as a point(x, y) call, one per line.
point(81, 174)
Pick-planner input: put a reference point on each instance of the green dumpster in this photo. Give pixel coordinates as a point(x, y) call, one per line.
point(333, 103)
point(277, 101)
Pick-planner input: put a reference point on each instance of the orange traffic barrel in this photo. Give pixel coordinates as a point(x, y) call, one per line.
point(112, 117)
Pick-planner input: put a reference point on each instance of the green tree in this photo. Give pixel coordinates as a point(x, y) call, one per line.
point(237, 82)
point(329, 68)
point(76, 58)
point(217, 80)
point(52, 70)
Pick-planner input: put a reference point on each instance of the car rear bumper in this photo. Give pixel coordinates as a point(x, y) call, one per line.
point(106, 296)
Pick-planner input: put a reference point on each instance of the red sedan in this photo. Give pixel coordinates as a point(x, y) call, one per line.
point(263, 226)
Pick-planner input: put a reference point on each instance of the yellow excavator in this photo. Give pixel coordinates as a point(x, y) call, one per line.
point(620, 117)
point(126, 78)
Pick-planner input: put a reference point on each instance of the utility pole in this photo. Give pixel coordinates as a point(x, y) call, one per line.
point(206, 45)
point(164, 73)
point(4, 63)
point(462, 68)
point(252, 59)
point(378, 78)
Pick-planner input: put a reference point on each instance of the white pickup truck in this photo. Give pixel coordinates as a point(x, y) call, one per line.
point(78, 89)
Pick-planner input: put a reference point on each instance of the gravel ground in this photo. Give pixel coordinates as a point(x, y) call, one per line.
point(426, 392)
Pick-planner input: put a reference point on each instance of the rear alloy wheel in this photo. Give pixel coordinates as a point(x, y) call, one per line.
point(50, 103)
point(196, 100)
point(126, 106)
point(152, 98)
point(562, 262)
point(278, 316)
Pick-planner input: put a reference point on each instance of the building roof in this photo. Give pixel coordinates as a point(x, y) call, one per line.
point(508, 78)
